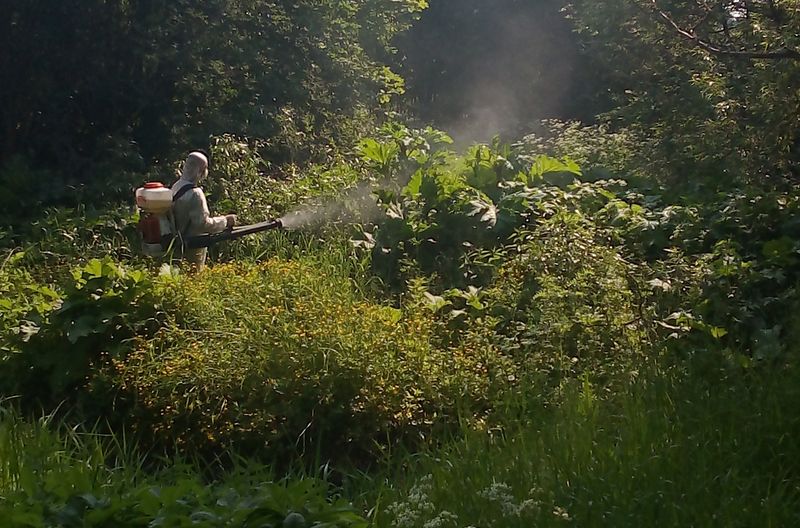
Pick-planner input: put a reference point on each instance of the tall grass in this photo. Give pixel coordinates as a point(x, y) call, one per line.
point(55, 476)
point(670, 452)
point(332, 253)
point(40, 454)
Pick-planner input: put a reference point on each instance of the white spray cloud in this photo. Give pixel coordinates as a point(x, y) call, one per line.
point(357, 204)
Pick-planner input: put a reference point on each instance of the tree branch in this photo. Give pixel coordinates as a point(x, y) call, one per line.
point(692, 36)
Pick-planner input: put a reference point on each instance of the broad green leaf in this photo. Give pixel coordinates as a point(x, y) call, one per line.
point(94, 268)
point(718, 332)
point(544, 164)
point(413, 187)
point(435, 302)
point(380, 153)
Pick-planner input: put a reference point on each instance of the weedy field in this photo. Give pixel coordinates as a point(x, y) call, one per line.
point(495, 338)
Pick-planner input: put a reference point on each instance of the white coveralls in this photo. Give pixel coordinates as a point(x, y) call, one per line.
point(191, 210)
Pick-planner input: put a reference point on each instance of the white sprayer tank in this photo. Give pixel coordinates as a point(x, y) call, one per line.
point(155, 201)
point(154, 198)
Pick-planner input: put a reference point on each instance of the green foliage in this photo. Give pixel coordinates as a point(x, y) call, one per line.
point(746, 306)
point(306, 77)
point(667, 450)
point(24, 305)
point(281, 358)
point(689, 79)
point(609, 268)
point(57, 476)
point(57, 238)
point(241, 180)
point(451, 207)
point(568, 303)
point(79, 332)
point(597, 148)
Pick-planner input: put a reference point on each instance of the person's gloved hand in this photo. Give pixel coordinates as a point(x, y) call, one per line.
point(230, 221)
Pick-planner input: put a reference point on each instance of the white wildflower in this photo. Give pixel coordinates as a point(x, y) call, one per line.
point(417, 506)
point(560, 512)
point(445, 518)
point(500, 493)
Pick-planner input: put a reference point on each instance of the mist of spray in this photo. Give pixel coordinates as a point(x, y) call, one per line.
point(357, 204)
point(508, 65)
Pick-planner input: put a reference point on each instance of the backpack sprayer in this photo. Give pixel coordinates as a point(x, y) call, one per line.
point(157, 224)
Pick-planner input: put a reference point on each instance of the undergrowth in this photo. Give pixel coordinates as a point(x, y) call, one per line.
point(672, 450)
point(279, 358)
point(54, 475)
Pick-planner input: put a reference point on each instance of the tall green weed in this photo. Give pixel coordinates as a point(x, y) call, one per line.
point(51, 475)
point(63, 340)
point(669, 451)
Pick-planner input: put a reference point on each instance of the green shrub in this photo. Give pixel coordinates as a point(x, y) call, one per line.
point(596, 148)
point(72, 336)
point(59, 239)
point(566, 304)
point(242, 181)
point(451, 208)
point(25, 305)
point(281, 358)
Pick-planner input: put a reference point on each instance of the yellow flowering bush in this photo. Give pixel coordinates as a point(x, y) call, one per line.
point(284, 356)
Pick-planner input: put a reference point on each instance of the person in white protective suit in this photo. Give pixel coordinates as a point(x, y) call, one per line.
point(190, 208)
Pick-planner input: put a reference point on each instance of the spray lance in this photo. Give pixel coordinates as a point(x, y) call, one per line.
point(157, 224)
point(201, 241)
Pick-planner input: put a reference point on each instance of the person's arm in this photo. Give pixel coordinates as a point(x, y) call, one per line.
point(201, 217)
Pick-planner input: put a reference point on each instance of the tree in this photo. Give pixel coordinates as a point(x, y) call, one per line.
point(714, 85)
point(748, 29)
point(93, 87)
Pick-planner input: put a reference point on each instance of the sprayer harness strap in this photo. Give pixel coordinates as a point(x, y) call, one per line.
point(178, 195)
point(183, 190)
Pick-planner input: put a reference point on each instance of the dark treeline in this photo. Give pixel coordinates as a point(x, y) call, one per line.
point(99, 88)
point(95, 87)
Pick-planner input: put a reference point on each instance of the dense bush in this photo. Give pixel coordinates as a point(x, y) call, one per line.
point(59, 239)
point(450, 207)
point(597, 148)
point(25, 305)
point(568, 303)
point(273, 358)
point(64, 340)
point(242, 180)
